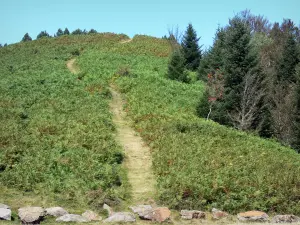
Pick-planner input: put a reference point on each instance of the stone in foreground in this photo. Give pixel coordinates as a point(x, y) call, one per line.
point(3, 206)
point(72, 218)
point(91, 215)
point(120, 217)
point(285, 219)
point(56, 211)
point(140, 208)
point(5, 214)
point(192, 214)
point(218, 214)
point(253, 216)
point(160, 214)
point(31, 215)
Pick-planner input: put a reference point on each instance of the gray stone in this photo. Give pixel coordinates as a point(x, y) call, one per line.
point(192, 214)
point(108, 209)
point(285, 219)
point(56, 211)
point(218, 214)
point(159, 214)
point(120, 217)
point(31, 215)
point(5, 214)
point(72, 218)
point(144, 211)
point(91, 215)
point(3, 206)
point(140, 208)
point(253, 216)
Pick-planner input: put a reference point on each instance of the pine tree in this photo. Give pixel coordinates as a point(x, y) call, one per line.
point(77, 32)
point(191, 49)
point(59, 32)
point(296, 144)
point(66, 31)
point(26, 38)
point(241, 75)
point(43, 34)
point(1, 46)
point(93, 31)
point(213, 59)
point(287, 63)
point(176, 67)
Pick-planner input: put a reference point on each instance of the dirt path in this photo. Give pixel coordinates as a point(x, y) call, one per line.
point(71, 66)
point(126, 41)
point(137, 154)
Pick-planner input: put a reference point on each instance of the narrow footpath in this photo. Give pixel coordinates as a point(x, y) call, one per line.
point(137, 153)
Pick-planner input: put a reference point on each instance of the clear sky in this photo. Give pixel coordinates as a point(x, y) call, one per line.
point(153, 17)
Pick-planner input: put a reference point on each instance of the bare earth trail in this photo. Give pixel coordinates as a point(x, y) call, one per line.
point(71, 66)
point(137, 155)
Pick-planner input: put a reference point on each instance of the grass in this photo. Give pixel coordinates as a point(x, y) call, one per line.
point(57, 136)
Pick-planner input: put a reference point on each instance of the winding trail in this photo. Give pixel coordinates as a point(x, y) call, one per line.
point(137, 154)
point(71, 66)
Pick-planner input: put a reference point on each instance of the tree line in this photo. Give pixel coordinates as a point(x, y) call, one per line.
point(252, 75)
point(60, 32)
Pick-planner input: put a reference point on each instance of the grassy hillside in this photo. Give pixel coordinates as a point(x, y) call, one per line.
point(57, 134)
point(57, 137)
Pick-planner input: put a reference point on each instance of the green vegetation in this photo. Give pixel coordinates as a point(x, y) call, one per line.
point(57, 137)
point(26, 38)
point(58, 140)
point(191, 49)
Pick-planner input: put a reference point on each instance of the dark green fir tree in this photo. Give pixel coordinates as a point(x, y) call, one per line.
point(26, 38)
point(59, 32)
point(66, 31)
point(176, 67)
point(191, 49)
point(43, 34)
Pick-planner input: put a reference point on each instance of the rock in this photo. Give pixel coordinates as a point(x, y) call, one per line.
point(159, 214)
point(91, 215)
point(2, 206)
point(5, 214)
point(56, 211)
point(120, 217)
point(192, 214)
point(285, 219)
point(31, 215)
point(72, 218)
point(108, 209)
point(140, 209)
point(253, 216)
point(218, 214)
point(144, 211)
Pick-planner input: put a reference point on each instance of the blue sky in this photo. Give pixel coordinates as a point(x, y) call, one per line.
point(131, 17)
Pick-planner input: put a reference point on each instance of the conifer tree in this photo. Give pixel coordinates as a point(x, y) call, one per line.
point(59, 32)
point(26, 38)
point(240, 104)
point(191, 49)
point(287, 63)
point(296, 144)
point(77, 32)
point(176, 67)
point(213, 58)
point(42, 34)
point(93, 31)
point(1, 46)
point(66, 31)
